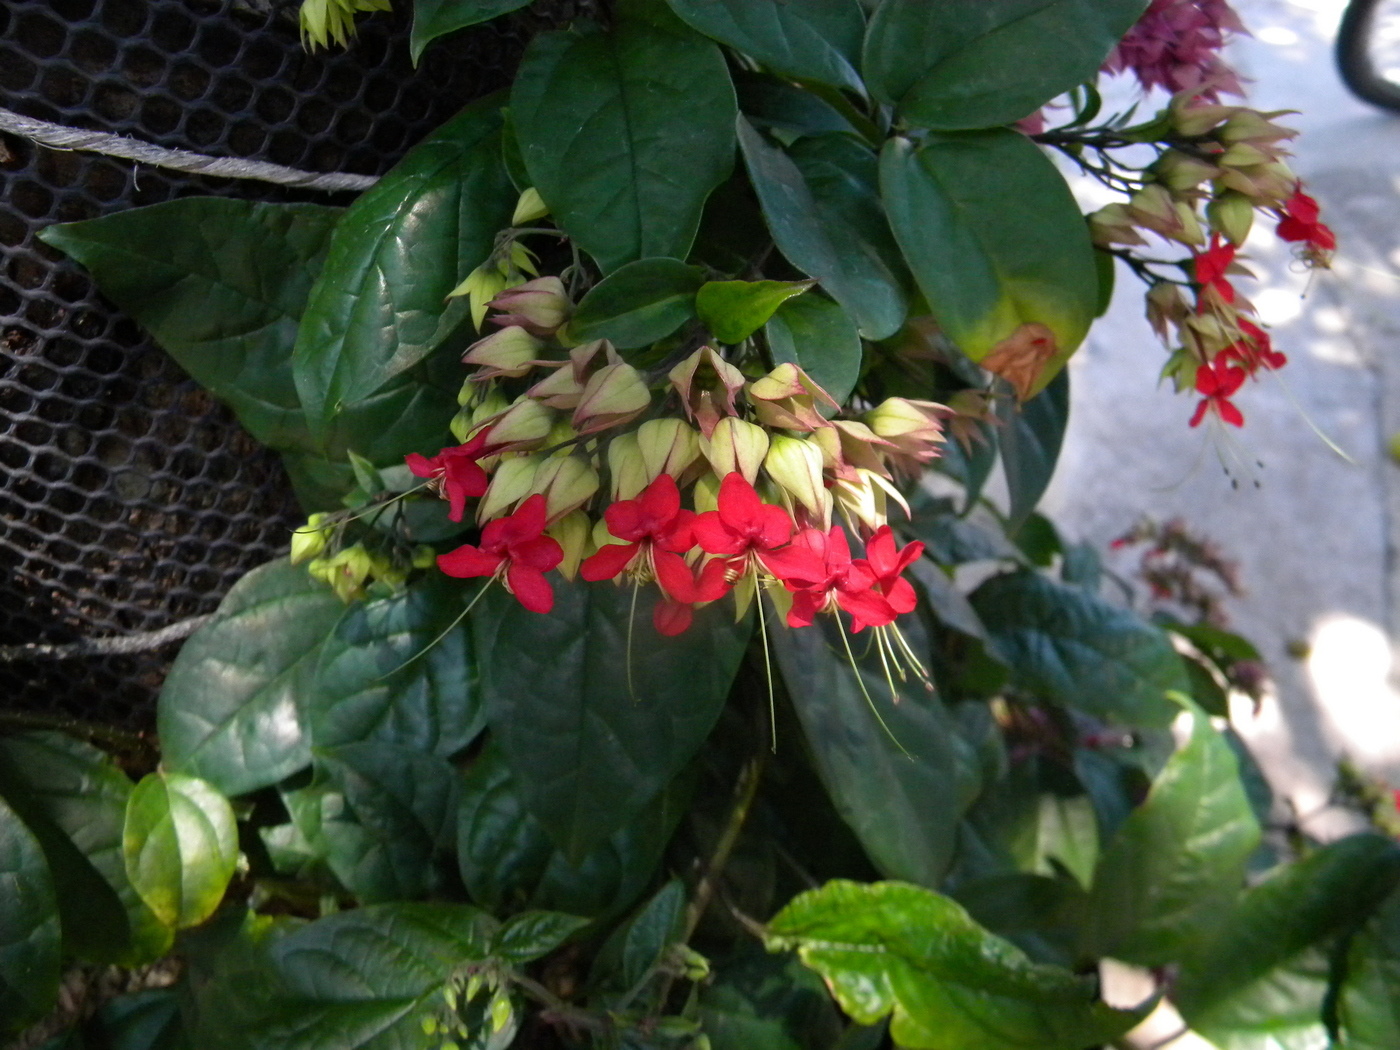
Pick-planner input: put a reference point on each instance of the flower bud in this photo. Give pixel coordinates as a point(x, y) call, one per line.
point(614, 394)
point(736, 445)
point(347, 571)
point(668, 446)
point(796, 465)
point(540, 305)
point(1243, 155)
point(1113, 224)
point(566, 482)
point(423, 557)
point(1193, 121)
point(573, 533)
point(707, 385)
point(627, 467)
point(510, 352)
point(705, 492)
point(1181, 172)
point(865, 499)
point(1249, 125)
point(787, 397)
point(1166, 308)
point(481, 286)
point(525, 423)
point(1231, 214)
point(309, 540)
point(512, 481)
point(529, 207)
point(848, 444)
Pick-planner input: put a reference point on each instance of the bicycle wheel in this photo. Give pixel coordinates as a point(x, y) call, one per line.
point(1368, 51)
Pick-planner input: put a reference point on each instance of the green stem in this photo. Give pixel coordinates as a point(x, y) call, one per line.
point(745, 791)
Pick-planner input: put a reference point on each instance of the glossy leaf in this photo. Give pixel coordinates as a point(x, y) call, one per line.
point(819, 336)
point(625, 133)
point(997, 244)
point(592, 727)
point(395, 255)
point(1369, 1004)
point(1077, 650)
point(74, 798)
point(1031, 436)
point(532, 935)
point(29, 926)
point(819, 237)
point(761, 1002)
point(387, 671)
point(772, 102)
point(228, 712)
point(652, 930)
point(220, 284)
point(638, 303)
point(387, 815)
point(1250, 981)
point(435, 18)
point(1178, 860)
point(507, 859)
point(180, 844)
point(734, 310)
point(809, 39)
point(951, 539)
point(894, 949)
point(971, 64)
point(902, 785)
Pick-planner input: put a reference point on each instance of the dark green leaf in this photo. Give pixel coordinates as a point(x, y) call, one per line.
point(1031, 436)
point(970, 64)
point(950, 539)
point(1039, 540)
point(230, 984)
point(29, 926)
point(810, 39)
point(771, 102)
point(435, 18)
point(625, 133)
point(760, 1002)
point(734, 310)
point(73, 797)
point(220, 284)
point(1249, 981)
point(592, 726)
point(891, 948)
point(819, 337)
point(396, 813)
point(148, 1020)
point(507, 859)
point(229, 709)
point(180, 843)
point(822, 237)
point(371, 683)
point(652, 931)
point(638, 304)
point(1369, 1004)
point(1220, 645)
point(394, 256)
point(946, 602)
point(898, 773)
point(1178, 860)
point(971, 468)
point(998, 246)
point(1040, 915)
point(1077, 650)
point(532, 935)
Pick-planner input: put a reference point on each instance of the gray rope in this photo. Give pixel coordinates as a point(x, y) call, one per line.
point(118, 645)
point(58, 136)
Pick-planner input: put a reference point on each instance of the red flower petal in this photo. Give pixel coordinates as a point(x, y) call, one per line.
point(673, 576)
point(467, 561)
point(714, 536)
point(420, 466)
point(661, 500)
point(541, 553)
point(739, 505)
point(672, 618)
point(1229, 412)
point(608, 562)
point(530, 588)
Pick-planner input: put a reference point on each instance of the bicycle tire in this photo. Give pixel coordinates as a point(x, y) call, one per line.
point(1354, 58)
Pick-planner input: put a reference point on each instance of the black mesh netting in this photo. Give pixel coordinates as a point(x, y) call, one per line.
point(130, 498)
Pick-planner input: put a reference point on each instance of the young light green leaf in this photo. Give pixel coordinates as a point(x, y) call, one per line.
point(1250, 982)
point(394, 256)
point(638, 304)
point(29, 926)
point(818, 237)
point(818, 336)
point(897, 772)
point(625, 133)
point(1178, 860)
point(809, 39)
point(220, 284)
point(891, 949)
point(228, 712)
point(435, 18)
point(1031, 436)
point(734, 310)
point(1077, 650)
point(180, 843)
point(970, 64)
point(370, 682)
point(997, 244)
point(594, 712)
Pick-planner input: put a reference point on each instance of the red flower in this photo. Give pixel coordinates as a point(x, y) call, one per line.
point(674, 613)
point(454, 472)
point(1255, 350)
point(1217, 382)
point(743, 523)
point(515, 549)
point(1211, 265)
point(1298, 223)
point(886, 564)
point(818, 570)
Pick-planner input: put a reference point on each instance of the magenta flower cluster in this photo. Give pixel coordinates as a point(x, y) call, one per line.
point(1176, 46)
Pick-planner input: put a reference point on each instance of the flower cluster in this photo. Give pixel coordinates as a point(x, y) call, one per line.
point(1176, 45)
point(576, 459)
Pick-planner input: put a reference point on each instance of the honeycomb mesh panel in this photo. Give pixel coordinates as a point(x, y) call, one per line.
point(131, 499)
